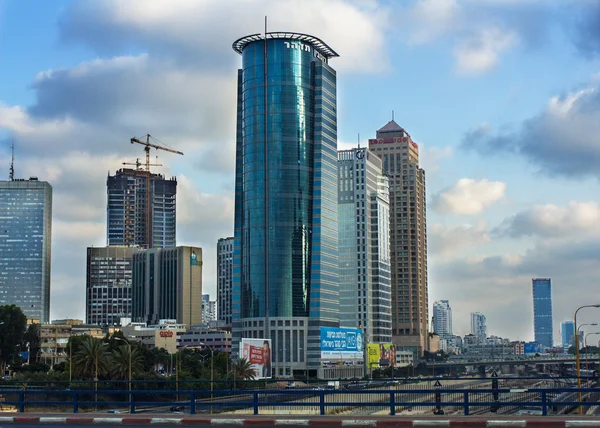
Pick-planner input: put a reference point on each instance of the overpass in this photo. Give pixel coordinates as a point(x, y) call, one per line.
point(592, 358)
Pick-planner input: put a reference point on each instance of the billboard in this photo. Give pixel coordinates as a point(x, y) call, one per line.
point(258, 353)
point(342, 345)
point(381, 355)
point(531, 348)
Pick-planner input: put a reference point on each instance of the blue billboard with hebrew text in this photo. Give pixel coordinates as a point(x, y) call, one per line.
point(342, 345)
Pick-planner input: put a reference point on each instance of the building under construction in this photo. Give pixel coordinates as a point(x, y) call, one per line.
point(127, 215)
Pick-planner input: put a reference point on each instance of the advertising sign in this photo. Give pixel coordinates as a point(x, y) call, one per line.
point(531, 348)
point(381, 355)
point(342, 345)
point(258, 353)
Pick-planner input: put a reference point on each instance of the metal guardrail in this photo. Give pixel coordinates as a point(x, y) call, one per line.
point(322, 402)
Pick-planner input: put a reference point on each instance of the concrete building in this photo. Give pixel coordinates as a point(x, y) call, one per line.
point(209, 309)
point(126, 209)
point(198, 336)
point(108, 284)
point(434, 343)
point(54, 338)
point(408, 236)
point(542, 312)
point(224, 279)
point(364, 245)
point(167, 284)
point(404, 358)
point(478, 326)
point(162, 335)
point(285, 267)
point(567, 329)
point(25, 246)
point(442, 318)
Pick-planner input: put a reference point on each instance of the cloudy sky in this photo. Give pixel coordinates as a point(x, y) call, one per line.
point(501, 95)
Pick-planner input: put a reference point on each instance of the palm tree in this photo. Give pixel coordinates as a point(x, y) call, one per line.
point(91, 360)
point(243, 370)
point(120, 362)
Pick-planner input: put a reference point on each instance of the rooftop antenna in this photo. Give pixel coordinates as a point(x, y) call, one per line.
point(11, 176)
point(392, 114)
point(359, 140)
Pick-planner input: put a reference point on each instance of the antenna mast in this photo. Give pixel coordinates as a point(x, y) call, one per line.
point(11, 176)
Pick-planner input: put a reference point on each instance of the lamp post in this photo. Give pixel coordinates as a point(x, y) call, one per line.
point(212, 378)
point(129, 345)
point(577, 362)
point(586, 348)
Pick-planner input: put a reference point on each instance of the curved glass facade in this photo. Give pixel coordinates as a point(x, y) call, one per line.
point(285, 207)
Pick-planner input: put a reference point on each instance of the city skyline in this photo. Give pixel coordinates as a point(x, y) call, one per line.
point(504, 200)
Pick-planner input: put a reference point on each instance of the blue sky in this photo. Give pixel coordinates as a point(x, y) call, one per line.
point(501, 95)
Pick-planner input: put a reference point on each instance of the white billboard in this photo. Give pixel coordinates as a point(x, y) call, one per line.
point(258, 353)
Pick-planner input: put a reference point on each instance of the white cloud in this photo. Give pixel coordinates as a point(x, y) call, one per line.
point(468, 196)
point(447, 241)
point(552, 221)
point(482, 51)
point(434, 18)
point(430, 157)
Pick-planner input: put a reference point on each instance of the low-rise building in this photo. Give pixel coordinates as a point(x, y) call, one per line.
point(163, 335)
point(404, 358)
point(217, 339)
point(54, 338)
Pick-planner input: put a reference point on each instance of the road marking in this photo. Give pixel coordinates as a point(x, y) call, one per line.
point(7, 419)
point(581, 423)
point(518, 390)
point(430, 423)
point(174, 421)
point(506, 424)
point(53, 420)
point(107, 420)
point(358, 422)
point(291, 422)
point(227, 422)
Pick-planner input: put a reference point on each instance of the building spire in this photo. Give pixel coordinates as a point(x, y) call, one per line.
point(11, 175)
point(359, 140)
point(392, 114)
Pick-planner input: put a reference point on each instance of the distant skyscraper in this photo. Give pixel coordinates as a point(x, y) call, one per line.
point(209, 309)
point(126, 209)
point(442, 318)
point(108, 285)
point(285, 268)
point(567, 329)
point(364, 245)
point(408, 236)
point(167, 284)
point(478, 326)
point(25, 246)
point(224, 279)
point(542, 311)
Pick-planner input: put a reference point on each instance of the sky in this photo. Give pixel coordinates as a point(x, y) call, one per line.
point(502, 96)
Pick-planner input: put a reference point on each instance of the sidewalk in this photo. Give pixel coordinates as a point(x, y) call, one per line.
point(324, 421)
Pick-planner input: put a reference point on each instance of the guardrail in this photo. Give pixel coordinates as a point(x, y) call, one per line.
point(321, 402)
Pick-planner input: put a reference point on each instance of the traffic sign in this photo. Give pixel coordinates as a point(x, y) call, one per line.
point(437, 384)
point(494, 374)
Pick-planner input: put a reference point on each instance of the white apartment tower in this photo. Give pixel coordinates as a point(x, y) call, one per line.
point(478, 326)
point(442, 318)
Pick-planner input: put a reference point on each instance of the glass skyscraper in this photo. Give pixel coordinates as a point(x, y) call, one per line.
point(25, 246)
point(567, 329)
point(542, 311)
point(285, 274)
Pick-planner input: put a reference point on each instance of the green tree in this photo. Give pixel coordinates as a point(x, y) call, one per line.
point(91, 359)
point(243, 370)
point(13, 324)
point(120, 362)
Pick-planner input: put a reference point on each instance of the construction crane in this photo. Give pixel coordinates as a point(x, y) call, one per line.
point(147, 147)
point(138, 164)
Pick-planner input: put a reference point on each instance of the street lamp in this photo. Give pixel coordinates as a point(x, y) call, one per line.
point(212, 359)
point(129, 345)
point(586, 348)
point(577, 362)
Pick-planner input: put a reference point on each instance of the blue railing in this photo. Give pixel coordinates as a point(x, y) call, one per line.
point(322, 402)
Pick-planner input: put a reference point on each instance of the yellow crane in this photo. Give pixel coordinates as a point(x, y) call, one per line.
point(138, 164)
point(147, 147)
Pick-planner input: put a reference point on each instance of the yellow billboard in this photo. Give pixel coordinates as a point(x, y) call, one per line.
point(381, 355)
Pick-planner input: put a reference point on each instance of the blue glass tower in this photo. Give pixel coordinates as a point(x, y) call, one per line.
point(567, 329)
point(542, 311)
point(285, 274)
point(25, 246)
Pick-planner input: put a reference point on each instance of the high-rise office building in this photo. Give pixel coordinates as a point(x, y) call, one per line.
point(209, 309)
point(224, 279)
point(108, 284)
point(126, 209)
point(478, 326)
point(364, 245)
point(25, 246)
point(442, 318)
point(408, 236)
point(542, 311)
point(167, 285)
point(285, 269)
point(567, 329)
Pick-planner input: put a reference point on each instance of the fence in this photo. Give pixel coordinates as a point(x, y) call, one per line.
point(543, 396)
